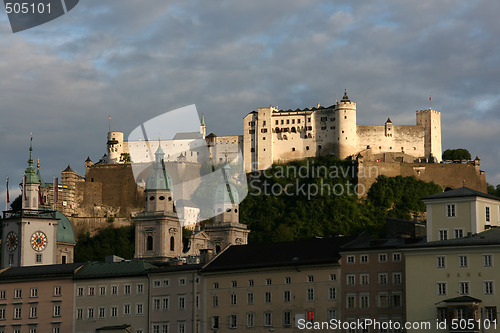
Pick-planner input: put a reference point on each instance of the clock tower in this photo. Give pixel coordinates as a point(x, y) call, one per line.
point(29, 234)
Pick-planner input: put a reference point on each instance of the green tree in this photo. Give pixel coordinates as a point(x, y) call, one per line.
point(17, 203)
point(456, 154)
point(108, 241)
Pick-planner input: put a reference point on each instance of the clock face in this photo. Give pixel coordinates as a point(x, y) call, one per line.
point(11, 241)
point(38, 241)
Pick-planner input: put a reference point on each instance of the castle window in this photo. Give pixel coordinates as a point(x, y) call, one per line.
point(309, 119)
point(402, 148)
point(236, 211)
point(323, 118)
point(149, 243)
point(252, 150)
point(282, 121)
point(161, 197)
point(307, 147)
point(169, 198)
point(293, 121)
point(380, 147)
point(345, 117)
point(414, 148)
point(390, 147)
point(288, 121)
point(277, 122)
point(293, 130)
point(319, 147)
point(342, 131)
point(293, 148)
point(172, 243)
point(263, 138)
point(323, 127)
point(298, 121)
point(264, 123)
point(151, 198)
point(309, 135)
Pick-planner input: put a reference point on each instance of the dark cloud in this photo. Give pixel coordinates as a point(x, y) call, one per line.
point(136, 59)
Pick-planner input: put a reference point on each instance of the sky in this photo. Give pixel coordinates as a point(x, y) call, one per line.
point(135, 60)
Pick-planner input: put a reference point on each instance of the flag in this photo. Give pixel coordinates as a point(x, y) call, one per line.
point(109, 117)
point(429, 98)
point(56, 189)
point(40, 196)
point(8, 198)
point(24, 188)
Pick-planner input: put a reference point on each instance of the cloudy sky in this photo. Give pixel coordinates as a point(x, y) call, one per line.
point(135, 60)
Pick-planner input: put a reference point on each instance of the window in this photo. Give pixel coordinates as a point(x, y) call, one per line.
point(351, 301)
point(215, 301)
point(288, 280)
point(268, 319)
point(487, 260)
point(79, 292)
point(3, 294)
point(463, 261)
point(156, 283)
point(382, 257)
point(139, 309)
point(310, 278)
point(114, 311)
point(441, 288)
point(287, 318)
point(268, 296)
point(181, 327)
point(233, 321)
point(491, 313)
point(165, 302)
point(364, 258)
point(383, 300)
point(488, 220)
point(332, 314)
point(166, 282)
point(463, 288)
point(33, 311)
point(91, 291)
point(310, 294)
point(287, 296)
point(102, 291)
point(250, 320)
point(79, 313)
point(182, 281)
point(250, 283)
point(18, 293)
point(2, 313)
point(382, 278)
point(350, 259)
point(34, 292)
point(351, 280)
point(215, 322)
point(488, 287)
point(333, 277)
point(450, 210)
point(182, 302)
point(396, 300)
point(126, 309)
point(234, 284)
point(250, 298)
point(365, 279)
point(396, 257)
point(90, 313)
point(33, 329)
point(332, 293)
point(268, 282)
point(441, 315)
point(140, 288)
point(38, 258)
point(459, 233)
point(441, 262)
point(396, 278)
point(216, 285)
point(364, 301)
point(114, 290)
point(234, 299)
point(443, 234)
point(126, 289)
point(57, 310)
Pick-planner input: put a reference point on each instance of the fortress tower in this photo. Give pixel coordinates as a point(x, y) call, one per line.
point(430, 120)
point(345, 123)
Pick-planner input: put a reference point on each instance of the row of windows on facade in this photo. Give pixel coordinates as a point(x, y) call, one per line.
point(383, 279)
point(91, 290)
point(457, 233)
point(292, 121)
point(32, 329)
point(464, 288)
point(287, 297)
point(251, 318)
point(18, 293)
point(364, 258)
point(451, 211)
point(268, 281)
point(384, 300)
point(33, 312)
point(462, 313)
point(463, 261)
point(163, 327)
point(91, 312)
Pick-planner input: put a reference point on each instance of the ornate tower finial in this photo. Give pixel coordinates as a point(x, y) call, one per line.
point(38, 164)
point(345, 98)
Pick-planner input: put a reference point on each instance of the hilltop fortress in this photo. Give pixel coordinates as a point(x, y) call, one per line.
point(278, 136)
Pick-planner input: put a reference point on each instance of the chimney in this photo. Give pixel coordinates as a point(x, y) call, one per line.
point(206, 255)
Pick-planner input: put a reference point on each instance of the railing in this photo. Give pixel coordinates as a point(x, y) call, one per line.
point(41, 214)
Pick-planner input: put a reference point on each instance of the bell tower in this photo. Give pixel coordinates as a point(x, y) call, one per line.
point(158, 232)
point(29, 235)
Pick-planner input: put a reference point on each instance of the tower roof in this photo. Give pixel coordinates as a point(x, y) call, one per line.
point(226, 193)
point(68, 169)
point(159, 179)
point(388, 121)
point(29, 173)
point(65, 232)
point(345, 98)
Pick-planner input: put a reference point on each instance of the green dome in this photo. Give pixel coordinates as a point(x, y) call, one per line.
point(222, 194)
point(156, 180)
point(65, 232)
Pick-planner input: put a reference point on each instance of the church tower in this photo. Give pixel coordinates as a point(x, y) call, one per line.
point(345, 122)
point(226, 228)
point(203, 128)
point(29, 235)
point(158, 232)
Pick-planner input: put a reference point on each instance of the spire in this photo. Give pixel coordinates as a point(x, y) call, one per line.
point(345, 98)
point(31, 177)
point(202, 119)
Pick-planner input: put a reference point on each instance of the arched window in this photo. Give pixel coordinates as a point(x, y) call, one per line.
point(172, 243)
point(217, 249)
point(149, 243)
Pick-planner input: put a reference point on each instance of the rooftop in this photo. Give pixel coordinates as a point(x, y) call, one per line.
point(113, 269)
point(461, 192)
point(38, 272)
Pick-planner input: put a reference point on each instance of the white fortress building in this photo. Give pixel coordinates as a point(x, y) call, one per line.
point(278, 136)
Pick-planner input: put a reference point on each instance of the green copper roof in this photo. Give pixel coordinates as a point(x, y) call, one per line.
point(159, 179)
point(65, 232)
point(202, 119)
point(226, 193)
point(31, 177)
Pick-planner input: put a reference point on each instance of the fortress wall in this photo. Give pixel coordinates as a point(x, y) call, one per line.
point(445, 175)
point(405, 138)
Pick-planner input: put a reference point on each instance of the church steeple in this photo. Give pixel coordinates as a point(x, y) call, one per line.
point(31, 183)
point(203, 128)
point(159, 186)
